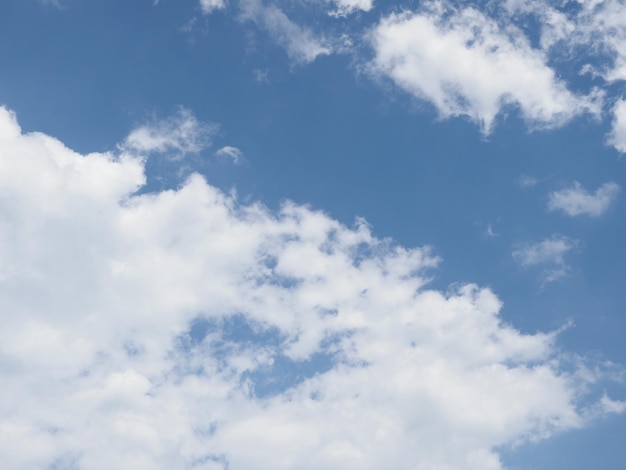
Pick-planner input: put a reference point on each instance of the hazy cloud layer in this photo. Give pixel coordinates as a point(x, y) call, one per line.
point(174, 329)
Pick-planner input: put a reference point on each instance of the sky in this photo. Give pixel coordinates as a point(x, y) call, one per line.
point(322, 234)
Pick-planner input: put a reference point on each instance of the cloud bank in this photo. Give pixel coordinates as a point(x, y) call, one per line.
point(184, 329)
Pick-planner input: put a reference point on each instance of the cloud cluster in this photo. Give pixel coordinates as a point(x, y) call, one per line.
point(183, 329)
point(577, 200)
point(477, 62)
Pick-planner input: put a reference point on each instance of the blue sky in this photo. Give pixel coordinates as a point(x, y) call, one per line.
point(328, 234)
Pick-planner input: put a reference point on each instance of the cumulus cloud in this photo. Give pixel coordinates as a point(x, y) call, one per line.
point(232, 153)
point(617, 137)
point(578, 201)
point(465, 64)
point(550, 254)
point(174, 329)
point(178, 135)
point(299, 42)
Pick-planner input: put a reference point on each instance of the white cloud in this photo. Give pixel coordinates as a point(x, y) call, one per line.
point(178, 135)
point(578, 201)
point(208, 6)
point(465, 64)
point(300, 43)
point(617, 137)
point(103, 367)
point(549, 253)
point(233, 153)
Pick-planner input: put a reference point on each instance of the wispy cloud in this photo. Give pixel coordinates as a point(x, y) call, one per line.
point(548, 254)
point(121, 332)
point(299, 42)
point(490, 232)
point(232, 153)
point(577, 200)
point(177, 136)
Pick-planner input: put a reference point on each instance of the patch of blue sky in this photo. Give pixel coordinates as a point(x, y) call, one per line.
point(219, 339)
point(285, 373)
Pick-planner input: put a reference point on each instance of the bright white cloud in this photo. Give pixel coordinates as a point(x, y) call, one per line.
point(232, 153)
point(208, 6)
point(617, 137)
point(178, 135)
point(465, 64)
point(550, 254)
point(578, 201)
point(103, 367)
point(300, 43)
